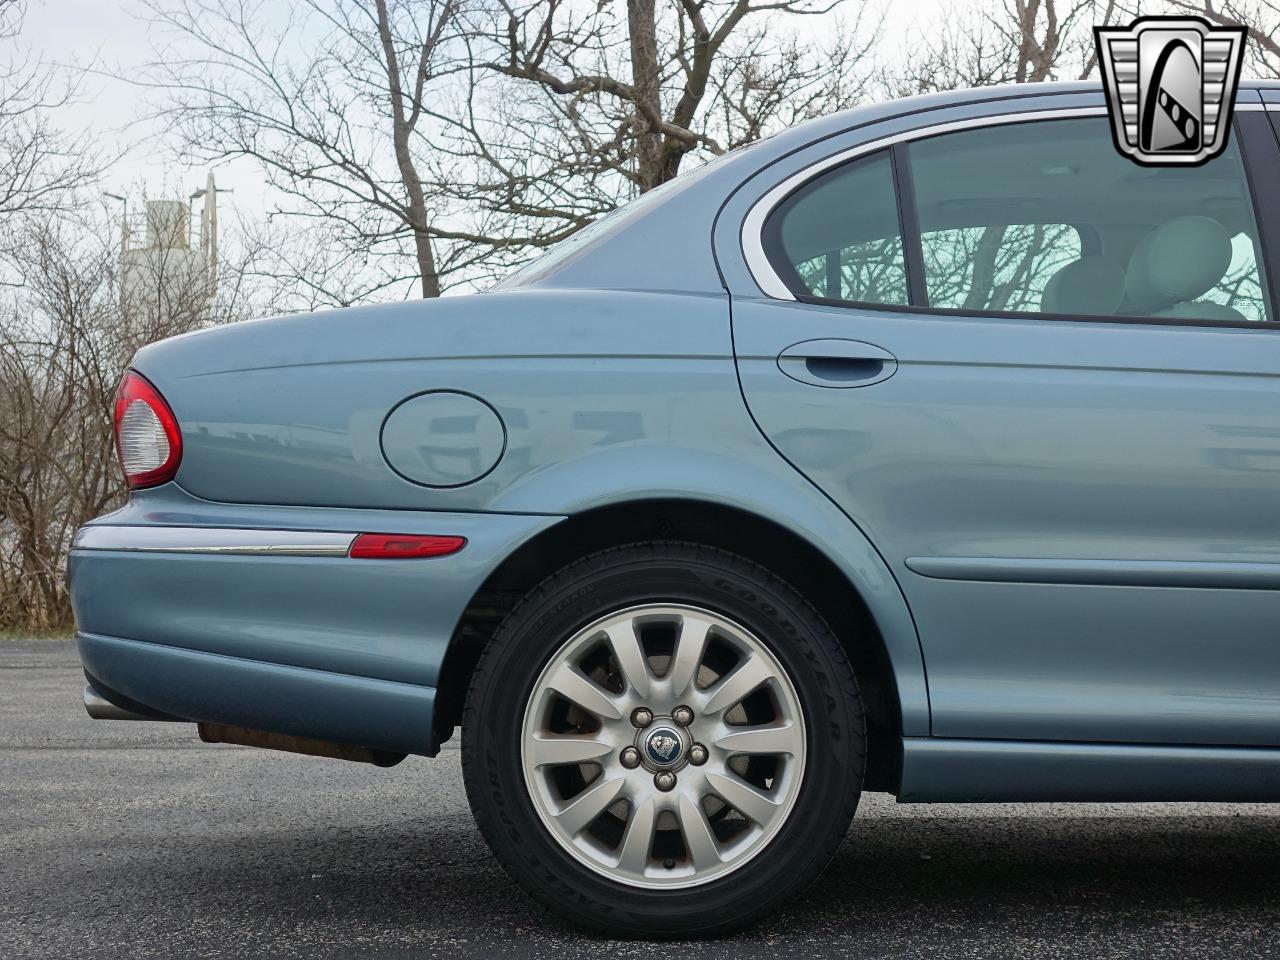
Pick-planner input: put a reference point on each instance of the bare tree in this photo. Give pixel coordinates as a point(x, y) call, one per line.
point(332, 98)
point(1260, 17)
point(1041, 32)
point(572, 109)
point(433, 141)
point(40, 164)
point(658, 86)
point(65, 339)
point(59, 362)
point(1016, 41)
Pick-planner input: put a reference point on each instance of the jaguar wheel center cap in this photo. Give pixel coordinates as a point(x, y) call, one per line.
point(663, 745)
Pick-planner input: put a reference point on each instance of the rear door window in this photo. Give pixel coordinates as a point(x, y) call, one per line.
point(1047, 217)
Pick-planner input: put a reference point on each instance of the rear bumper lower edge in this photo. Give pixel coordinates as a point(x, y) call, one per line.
point(380, 714)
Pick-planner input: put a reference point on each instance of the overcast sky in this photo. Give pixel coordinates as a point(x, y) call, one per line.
point(111, 35)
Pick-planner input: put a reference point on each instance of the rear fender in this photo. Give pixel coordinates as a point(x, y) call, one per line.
point(764, 486)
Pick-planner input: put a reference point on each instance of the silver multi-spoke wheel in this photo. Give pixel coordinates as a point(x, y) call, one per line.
point(680, 765)
point(663, 746)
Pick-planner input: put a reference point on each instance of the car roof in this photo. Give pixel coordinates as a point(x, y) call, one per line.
point(842, 120)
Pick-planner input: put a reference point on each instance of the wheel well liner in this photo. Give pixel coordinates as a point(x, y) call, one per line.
point(763, 541)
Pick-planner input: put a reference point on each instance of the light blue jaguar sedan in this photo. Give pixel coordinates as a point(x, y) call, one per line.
point(931, 448)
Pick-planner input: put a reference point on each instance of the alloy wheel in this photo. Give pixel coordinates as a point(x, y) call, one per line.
point(663, 746)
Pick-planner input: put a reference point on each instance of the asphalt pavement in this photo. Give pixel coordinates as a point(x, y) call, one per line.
point(136, 840)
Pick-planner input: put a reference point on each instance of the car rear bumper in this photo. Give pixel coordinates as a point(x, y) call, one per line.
point(256, 617)
point(211, 688)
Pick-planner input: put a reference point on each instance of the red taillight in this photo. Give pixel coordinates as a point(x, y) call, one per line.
point(396, 546)
point(148, 441)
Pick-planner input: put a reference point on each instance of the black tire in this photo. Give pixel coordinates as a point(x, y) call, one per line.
point(667, 573)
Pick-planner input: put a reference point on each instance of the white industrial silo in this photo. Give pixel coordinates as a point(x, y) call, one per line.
point(168, 264)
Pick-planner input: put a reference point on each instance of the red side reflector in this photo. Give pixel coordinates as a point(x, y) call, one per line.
point(399, 546)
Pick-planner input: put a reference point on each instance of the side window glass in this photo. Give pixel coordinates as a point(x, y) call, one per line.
point(1240, 289)
point(1046, 217)
point(1002, 266)
point(838, 237)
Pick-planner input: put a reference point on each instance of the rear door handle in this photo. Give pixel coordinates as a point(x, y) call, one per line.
point(837, 363)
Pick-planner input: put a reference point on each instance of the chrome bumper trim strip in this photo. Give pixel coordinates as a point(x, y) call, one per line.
point(214, 540)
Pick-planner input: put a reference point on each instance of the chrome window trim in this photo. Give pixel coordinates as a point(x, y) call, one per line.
point(213, 540)
point(752, 233)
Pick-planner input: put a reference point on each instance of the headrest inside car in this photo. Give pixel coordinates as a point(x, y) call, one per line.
point(1091, 286)
point(1177, 261)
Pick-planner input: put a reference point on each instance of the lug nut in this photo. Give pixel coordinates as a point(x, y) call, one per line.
point(697, 754)
point(641, 717)
point(630, 758)
point(664, 780)
point(682, 715)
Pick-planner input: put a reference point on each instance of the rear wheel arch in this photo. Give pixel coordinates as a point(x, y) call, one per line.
point(783, 552)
